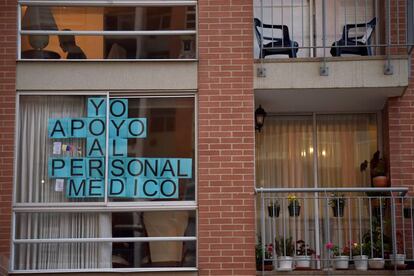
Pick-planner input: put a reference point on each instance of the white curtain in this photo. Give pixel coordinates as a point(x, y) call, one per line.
point(285, 159)
point(33, 186)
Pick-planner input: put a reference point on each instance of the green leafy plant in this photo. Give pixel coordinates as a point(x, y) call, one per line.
point(267, 251)
point(293, 200)
point(284, 247)
point(379, 238)
point(377, 165)
point(337, 200)
point(361, 248)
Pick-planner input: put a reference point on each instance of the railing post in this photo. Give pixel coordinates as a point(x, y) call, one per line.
point(324, 70)
point(388, 70)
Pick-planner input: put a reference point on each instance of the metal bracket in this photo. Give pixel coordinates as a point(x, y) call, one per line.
point(261, 72)
point(388, 68)
point(324, 70)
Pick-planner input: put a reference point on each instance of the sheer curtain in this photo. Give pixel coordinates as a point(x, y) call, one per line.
point(285, 159)
point(33, 186)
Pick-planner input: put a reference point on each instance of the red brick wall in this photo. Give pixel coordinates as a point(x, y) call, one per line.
point(7, 103)
point(226, 138)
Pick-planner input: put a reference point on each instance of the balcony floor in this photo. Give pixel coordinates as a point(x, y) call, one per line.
point(337, 272)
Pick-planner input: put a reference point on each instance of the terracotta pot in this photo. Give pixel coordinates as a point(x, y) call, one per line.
point(380, 181)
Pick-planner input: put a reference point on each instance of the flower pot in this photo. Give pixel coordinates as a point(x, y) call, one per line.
point(303, 261)
point(408, 212)
point(294, 210)
point(376, 263)
point(285, 263)
point(361, 262)
point(268, 265)
point(338, 212)
point(276, 210)
point(398, 259)
point(380, 181)
point(341, 262)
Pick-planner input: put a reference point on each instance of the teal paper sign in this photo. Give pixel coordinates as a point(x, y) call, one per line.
point(128, 177)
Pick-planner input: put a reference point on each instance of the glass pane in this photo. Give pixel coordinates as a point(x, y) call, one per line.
point(160, 165)
point(105, 254)
point(36, 180)
point(344, 142)
point(54, 256)
point(105, 225)
point(108, 18)
point(284, 152)
point(108, 47)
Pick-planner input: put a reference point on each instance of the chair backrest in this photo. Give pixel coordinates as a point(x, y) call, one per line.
point(366, 31)
point(266, 36)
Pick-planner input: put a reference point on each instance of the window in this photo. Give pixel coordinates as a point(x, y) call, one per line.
point(105, 182)
point(87, 30)
point(286, 150)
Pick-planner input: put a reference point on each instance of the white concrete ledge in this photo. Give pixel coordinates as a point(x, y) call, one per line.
point(107, 75)
point(343, 73)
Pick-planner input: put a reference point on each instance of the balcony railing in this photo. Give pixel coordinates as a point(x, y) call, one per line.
point(330, 229)
point(324, 28)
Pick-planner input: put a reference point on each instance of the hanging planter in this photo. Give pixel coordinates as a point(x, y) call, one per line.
point(294, 210)
point(294, 206)
point(273, 210)
point(337, 202)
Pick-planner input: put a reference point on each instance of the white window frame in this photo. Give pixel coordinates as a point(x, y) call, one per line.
point(105, 206)
point(105, 3)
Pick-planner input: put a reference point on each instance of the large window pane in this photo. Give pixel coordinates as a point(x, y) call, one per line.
point(344, 142)
point(108, 18)
point(36, 149)
point(51, 255)
point(284, 151)
point(177, 24)
point(170, 135)
point(108, 47)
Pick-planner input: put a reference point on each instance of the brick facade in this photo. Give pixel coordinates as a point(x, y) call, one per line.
point(8, 40)
point(226, 138)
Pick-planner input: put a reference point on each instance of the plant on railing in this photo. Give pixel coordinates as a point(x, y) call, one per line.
point(303, 254)
point(341, 258)
point(294, 206)
point(266, 252)
point(337, 202)
point(380, 245)
point(274, 209)
point(285, 250)
point(360, 253)
point(378, 170)
point(399, 258)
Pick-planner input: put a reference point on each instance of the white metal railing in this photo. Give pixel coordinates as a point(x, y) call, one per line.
point(321, 28)
point(323, 225)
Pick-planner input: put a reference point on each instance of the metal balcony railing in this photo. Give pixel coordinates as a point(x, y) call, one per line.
point(334, 228)
point(323, 28)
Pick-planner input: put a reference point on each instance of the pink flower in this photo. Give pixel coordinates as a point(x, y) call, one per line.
point(329, 245)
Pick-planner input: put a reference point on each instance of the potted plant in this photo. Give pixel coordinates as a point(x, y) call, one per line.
point(399, 258)
point(284, 251)
point(360, 253)
point(303, 254)
point(294, 206)
point(273, 209)
point(378, 170)
point(341, 259)
point(267, 253)
point(337, 202)
point(379, 243)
